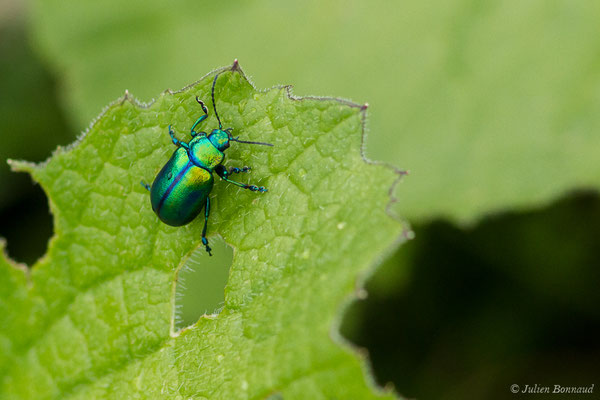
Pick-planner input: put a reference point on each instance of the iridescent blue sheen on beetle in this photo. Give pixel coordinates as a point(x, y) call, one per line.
point(181, 189)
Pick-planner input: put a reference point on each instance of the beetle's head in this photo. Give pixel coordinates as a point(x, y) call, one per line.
point(220, 138)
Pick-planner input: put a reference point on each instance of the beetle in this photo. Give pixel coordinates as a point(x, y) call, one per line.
point(181, 189)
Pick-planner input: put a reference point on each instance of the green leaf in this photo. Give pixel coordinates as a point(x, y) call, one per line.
point(490, 105)
point(94, 318)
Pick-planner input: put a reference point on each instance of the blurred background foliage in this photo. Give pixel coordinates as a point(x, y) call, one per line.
point(494, 107)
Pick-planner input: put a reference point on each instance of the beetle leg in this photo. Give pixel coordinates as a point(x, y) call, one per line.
point(206, 214)
point(176, 141)
point(202, 118)
point(145, 185)
point(223, 174)
point(236, 170)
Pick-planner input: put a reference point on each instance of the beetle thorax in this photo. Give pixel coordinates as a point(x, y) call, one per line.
point(203, 153)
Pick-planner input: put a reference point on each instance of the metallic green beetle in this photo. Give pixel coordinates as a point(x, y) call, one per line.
point(182, 187)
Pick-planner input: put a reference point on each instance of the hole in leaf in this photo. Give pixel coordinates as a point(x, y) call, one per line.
point(201, 283)
point(26, 222)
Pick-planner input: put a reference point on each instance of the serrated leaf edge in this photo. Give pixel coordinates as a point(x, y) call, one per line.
point(336, 337)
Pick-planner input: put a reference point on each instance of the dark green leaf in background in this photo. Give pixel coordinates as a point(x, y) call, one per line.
point(490, 105)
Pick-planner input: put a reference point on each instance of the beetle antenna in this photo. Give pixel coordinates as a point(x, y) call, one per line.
point(244, 141)
point(212, 94)
point(228, 130)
